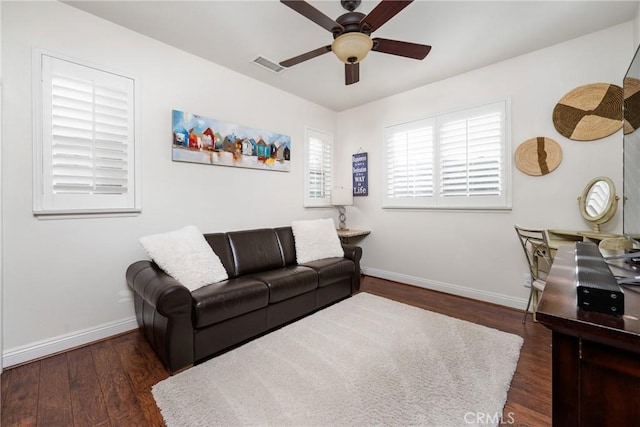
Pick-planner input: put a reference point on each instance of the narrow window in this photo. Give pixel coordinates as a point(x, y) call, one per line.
point(318, 168)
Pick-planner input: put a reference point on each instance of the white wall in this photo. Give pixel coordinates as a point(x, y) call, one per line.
point(477, 253)
point(636, 25)
point(1, 127)
point(64, 280)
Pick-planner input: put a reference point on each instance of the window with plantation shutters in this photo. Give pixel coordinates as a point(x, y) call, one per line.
point(86, 154)
point(409, 163)
point(318, 168)
point(471, 147)
point(458, 160)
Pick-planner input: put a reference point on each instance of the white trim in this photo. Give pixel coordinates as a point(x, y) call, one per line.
point(61, 343)
point(492, 297)
point(112, 213)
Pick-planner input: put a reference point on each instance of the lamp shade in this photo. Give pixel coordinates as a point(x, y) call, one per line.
point(341, 196)
point(351, 48)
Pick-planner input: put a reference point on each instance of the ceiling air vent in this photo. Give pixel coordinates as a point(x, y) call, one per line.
point(268, 64)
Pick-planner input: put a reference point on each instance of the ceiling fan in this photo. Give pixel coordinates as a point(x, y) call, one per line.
point(351, 34)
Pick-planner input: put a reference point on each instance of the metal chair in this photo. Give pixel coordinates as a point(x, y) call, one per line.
point(536, 249)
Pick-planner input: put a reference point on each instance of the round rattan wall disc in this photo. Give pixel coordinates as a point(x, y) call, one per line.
point(589, 112)
point(631, 104)
point(538, 156)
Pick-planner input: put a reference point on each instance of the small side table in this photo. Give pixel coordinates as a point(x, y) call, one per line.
point(349, 233)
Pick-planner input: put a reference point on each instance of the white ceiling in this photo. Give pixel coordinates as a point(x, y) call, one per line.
point(465, 35)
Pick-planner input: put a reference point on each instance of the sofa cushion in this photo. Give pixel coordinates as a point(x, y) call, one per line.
point(316, 239)
point(288, 282)
point(220, 245)
point(331, 270)
point(255, 251)
point(231, 298)
point(288, 244)
point(185, 255)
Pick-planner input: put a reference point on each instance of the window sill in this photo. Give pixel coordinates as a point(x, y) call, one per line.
point(450, 208)
point(85, 214)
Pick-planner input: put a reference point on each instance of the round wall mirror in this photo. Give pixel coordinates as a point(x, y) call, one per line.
point(598, 202)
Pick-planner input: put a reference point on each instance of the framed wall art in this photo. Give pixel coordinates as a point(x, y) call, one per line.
point(198, 139)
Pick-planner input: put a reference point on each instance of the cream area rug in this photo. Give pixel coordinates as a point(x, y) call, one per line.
point(364, 361)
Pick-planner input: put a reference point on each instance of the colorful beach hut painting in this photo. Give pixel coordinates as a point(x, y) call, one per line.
point(198, 139)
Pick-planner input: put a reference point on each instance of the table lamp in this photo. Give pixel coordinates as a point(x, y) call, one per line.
point(341, 197)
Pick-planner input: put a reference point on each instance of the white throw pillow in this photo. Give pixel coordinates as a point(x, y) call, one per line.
point(316, 239)
point(186, 256)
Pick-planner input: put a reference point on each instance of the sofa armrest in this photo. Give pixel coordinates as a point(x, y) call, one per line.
point(163, 310)
point(354, 253)
point(158, 289)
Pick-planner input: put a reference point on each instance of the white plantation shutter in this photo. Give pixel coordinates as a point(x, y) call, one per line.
point(88, 139)
point(90, 132)
point(471, 152)
point(409, 163)
point(318, 168)
point(467, 164)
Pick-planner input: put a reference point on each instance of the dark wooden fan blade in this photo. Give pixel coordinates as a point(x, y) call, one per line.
point(380, 14)
point(351, 73)
point(310, 12)
point(406, 49)
point(306, 56)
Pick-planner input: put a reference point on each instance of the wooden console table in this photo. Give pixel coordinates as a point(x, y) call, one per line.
point(595, 357)
point(347, 234)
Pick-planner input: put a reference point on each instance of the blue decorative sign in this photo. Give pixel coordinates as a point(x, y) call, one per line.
point(360, 176)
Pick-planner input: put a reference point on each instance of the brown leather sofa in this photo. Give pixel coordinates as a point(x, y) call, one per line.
point(266, 289)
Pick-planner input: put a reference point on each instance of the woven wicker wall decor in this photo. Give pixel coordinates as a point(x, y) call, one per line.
point(589, 112)
point(631, 104)
point(538, 156)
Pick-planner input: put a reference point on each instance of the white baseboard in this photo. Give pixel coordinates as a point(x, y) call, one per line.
point(492, 297)
point(37, 350)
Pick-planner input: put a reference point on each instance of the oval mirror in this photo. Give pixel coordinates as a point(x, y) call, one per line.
point(598, 202)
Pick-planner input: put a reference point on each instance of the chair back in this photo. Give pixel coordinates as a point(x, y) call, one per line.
point(536, 247)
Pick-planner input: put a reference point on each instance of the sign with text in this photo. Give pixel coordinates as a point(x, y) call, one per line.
point(360, 179)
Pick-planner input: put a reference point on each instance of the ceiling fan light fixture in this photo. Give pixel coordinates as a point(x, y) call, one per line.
point(351, 48)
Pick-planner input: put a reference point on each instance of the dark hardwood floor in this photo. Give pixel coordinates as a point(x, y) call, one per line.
point(109, 383)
